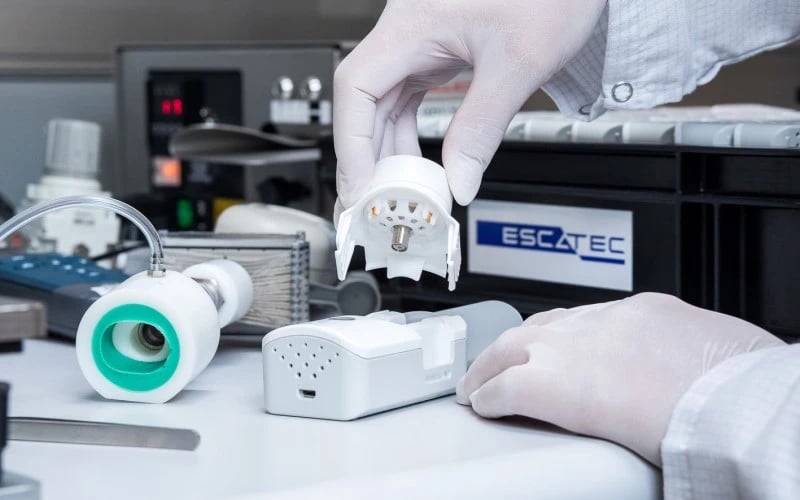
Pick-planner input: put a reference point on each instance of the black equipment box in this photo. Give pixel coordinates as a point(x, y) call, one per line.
point(717, 227)
point(3, 423)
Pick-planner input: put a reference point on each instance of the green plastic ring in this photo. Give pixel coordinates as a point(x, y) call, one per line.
point(122, 371)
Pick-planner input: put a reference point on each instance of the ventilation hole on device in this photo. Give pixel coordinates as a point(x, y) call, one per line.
point(402, 217)
point(414, 221)
point(291, 365)
point(274, 349)
point(283, 357)
point(382, 224)
point(299, 375)
point(412, 206)
point(314, 375)
point(306, 365)
point(321, 347)
point(389, 219)
point(421, 228)
point(337, 354)
point(313, 355)
point(297, 354)
point(322, 368)
point(330, 360)
point(290, 346)
point(305, 344)
point(392, 205)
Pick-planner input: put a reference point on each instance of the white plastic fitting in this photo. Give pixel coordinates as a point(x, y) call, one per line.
point(403, 222)
point(146, 339)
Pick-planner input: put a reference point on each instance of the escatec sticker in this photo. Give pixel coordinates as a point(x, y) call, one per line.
point(560, 244)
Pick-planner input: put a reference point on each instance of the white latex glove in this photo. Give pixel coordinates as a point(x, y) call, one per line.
point(613, 370)
point(514, 46)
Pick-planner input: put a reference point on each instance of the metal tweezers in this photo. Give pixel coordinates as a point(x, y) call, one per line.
point(53, 430)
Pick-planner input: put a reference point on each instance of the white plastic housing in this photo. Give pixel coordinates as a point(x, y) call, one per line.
point(598, 131)
point(186, 306)
point(83, 231)
point(189, 341)
point(351, 366)
point(405, 191)
point(348, 367)
point(71, 165)
point(233, 284)
point(767, 135)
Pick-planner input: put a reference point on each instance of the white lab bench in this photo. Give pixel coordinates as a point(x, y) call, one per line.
point(436, 449)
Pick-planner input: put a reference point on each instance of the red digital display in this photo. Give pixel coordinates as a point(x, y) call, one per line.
point(172, 107)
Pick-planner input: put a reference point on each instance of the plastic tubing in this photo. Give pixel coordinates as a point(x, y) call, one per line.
point(124, 210)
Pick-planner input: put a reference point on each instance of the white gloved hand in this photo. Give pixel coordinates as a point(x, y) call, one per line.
point(613, 370)
point(514, 46)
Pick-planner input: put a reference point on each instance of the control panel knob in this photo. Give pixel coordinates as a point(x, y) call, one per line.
point(283, 88)
point(312, 88)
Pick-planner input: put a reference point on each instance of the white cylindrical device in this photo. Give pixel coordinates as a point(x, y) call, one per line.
point(71, 168)
point(403, 221)
point(149, 337)
point(231, 286)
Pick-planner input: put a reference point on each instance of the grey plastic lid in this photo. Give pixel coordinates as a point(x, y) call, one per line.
point(73, 148)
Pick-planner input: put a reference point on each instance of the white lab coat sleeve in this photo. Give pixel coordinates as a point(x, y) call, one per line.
point(736, 432)
point(644, 53)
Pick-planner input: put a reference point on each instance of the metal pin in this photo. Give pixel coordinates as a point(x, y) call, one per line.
point(400, 237)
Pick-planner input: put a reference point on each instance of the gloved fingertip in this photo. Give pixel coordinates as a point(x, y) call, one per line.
point(462, 397)
point(482, 406)
point(464, 178)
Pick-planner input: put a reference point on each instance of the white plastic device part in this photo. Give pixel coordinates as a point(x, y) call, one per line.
point(715, 134)
point(348, 367)
point(598, 131)
point(71, 167)
point(403, 222)
point(540, 126)
point(146, 339)
point(231, 285)
point(643, 132)
point(768, 135)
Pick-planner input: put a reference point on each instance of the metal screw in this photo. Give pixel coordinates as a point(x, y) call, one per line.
point(400, 237)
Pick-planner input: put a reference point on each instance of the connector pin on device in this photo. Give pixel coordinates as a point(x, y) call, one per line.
point(400, 237)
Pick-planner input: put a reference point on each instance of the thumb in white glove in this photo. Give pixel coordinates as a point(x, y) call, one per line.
point(514, 46)
point(614, 370)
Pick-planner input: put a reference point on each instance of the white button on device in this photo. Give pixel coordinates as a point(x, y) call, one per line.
point(622, 92)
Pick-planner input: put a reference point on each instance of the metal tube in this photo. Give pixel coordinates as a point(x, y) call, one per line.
point(400, 237)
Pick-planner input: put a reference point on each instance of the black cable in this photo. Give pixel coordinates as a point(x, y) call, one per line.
point(118, 251)
point(6, 209)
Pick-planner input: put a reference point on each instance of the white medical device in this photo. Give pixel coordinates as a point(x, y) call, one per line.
point(403, 222)
point(348, 367)
point(71, 168)
point(145, 339)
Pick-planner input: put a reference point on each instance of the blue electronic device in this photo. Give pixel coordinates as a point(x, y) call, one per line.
point(66, 284)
